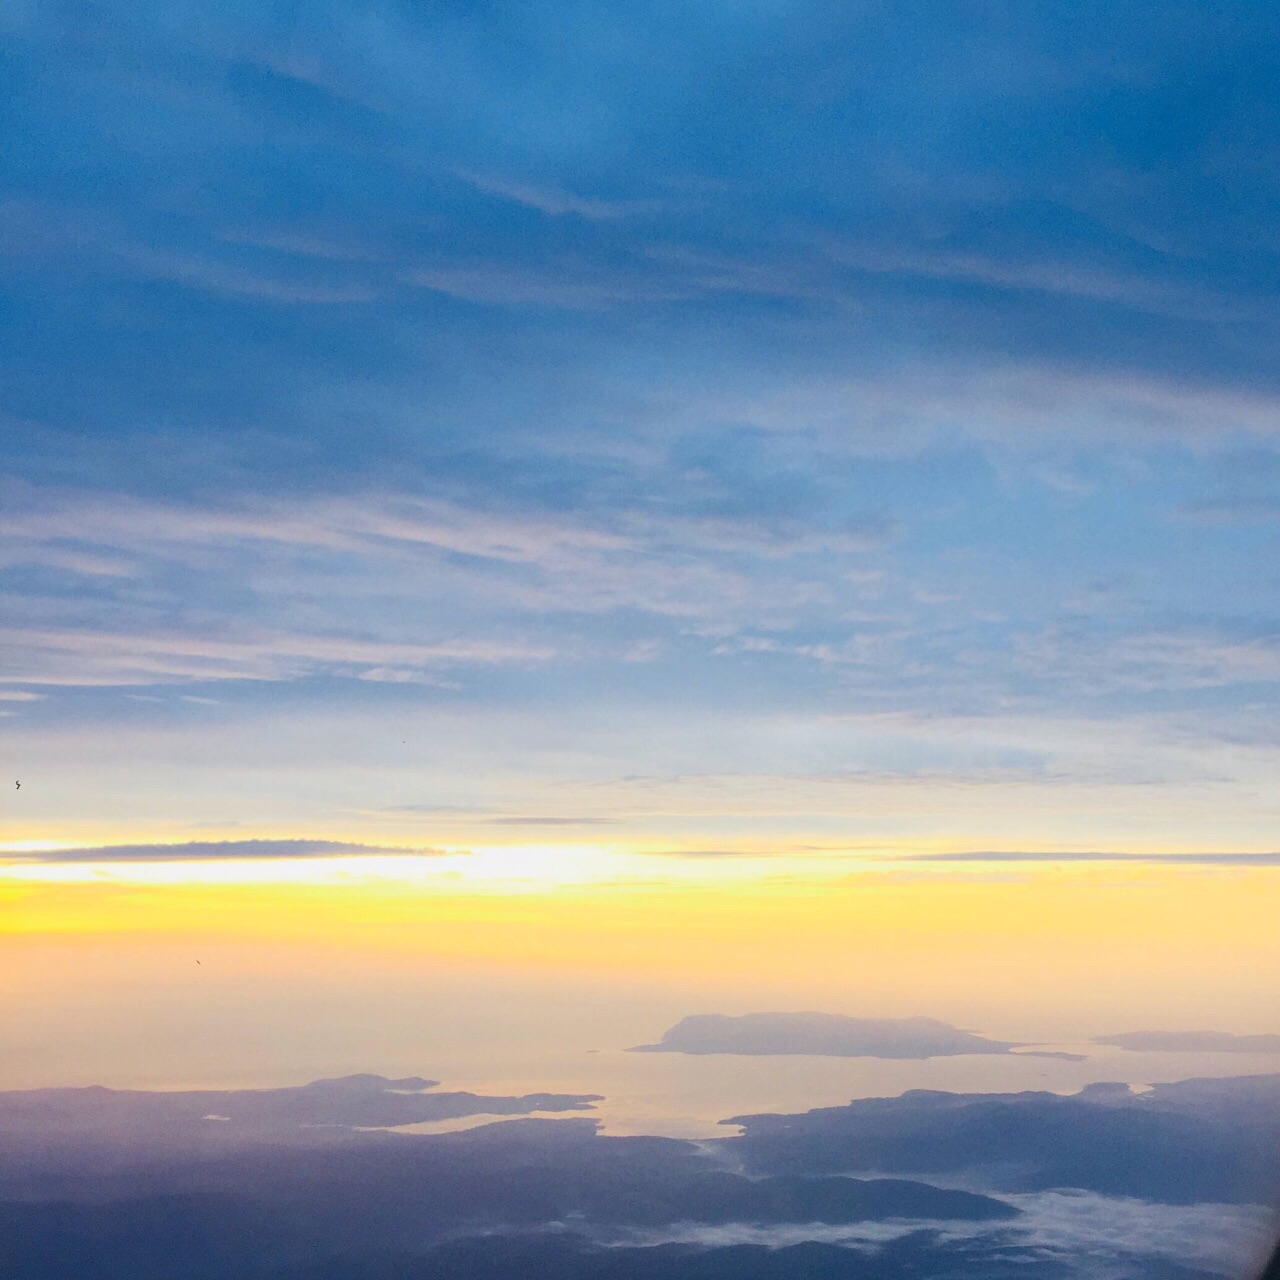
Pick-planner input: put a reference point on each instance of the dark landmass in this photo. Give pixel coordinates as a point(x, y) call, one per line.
point(826, 1035)
point(555, 1199)
point(150, 1241)
point(218, 1116)
point(1194, 1141)
point(282, 1210)
point(170, 1241)
point(520, 1173)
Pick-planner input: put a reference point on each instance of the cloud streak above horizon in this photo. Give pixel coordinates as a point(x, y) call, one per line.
point(1208, 858)
point(210, 850)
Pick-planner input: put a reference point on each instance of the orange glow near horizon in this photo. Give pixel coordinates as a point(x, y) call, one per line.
point(1006, 935)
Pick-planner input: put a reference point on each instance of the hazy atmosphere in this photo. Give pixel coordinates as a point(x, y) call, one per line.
point(639, 641)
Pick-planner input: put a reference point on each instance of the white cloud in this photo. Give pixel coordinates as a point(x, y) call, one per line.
point(1095, 1234)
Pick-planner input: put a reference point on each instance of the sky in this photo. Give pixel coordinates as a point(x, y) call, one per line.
point(475, 424)
point(647, 512)
point(573, 575)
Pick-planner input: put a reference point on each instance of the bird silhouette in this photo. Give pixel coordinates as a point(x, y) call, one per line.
point(18, 785)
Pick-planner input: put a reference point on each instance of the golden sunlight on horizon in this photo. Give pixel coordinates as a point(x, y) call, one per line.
point(1095, 942)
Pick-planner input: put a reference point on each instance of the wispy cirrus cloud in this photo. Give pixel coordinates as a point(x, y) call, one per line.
point(731, 385)
point(557, 202)
point(1232, 510)
point(99, 657)
point(1159, 290)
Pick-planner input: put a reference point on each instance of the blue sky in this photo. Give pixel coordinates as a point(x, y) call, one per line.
point(747, 422)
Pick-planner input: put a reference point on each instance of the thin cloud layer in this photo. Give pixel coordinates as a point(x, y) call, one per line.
point(1207, 859)
point(210, 850)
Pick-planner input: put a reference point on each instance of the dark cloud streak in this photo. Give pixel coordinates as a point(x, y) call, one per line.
point(1227, 859)
point(215, 850)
